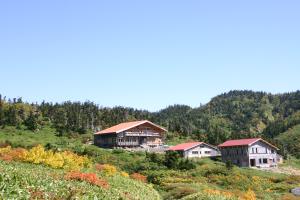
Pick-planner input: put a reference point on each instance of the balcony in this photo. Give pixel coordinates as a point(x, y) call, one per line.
point(143, 134)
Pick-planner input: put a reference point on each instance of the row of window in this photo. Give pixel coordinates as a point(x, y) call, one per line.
point(256, 150)
point(265, 160)
point(199, 152)
point(127, 140)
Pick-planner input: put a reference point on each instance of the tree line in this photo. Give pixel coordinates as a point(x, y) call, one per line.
point(236, 114)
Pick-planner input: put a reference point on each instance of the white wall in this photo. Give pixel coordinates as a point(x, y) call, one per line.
point(260, 151)
point(202, 152)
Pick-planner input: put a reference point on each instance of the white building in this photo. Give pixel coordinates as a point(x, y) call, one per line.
point(196, 150)
point(253, 152)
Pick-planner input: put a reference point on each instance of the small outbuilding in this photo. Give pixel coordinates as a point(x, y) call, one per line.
point(195, 150)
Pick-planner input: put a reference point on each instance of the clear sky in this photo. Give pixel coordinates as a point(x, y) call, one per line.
point(147, 54)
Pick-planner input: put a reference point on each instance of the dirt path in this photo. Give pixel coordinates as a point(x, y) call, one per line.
point(285, 170)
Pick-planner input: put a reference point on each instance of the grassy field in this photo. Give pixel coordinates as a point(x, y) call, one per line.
point(45, 136)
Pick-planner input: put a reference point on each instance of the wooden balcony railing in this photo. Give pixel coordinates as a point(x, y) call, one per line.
point(145, 134)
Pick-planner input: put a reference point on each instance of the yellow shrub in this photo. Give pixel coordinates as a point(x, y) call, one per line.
point(54, 160)
point(249, 195)
point(73, 161)
point(124, 174)
point(5, 150)
point(66, 160)
point(109, 170)
point(36, 155)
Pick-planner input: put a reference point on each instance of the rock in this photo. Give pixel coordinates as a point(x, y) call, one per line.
point(296, 191)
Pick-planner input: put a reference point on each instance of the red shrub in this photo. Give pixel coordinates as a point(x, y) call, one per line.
point(88, 177)
point(139, 177)
point(13, 155)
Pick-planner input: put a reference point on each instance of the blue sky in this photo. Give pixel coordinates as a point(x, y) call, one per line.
point(147, 54)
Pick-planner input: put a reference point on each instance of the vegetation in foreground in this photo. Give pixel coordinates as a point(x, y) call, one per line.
point(40, 174)
point(56, 176)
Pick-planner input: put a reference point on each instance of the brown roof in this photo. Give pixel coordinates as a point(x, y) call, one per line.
point(127, 125)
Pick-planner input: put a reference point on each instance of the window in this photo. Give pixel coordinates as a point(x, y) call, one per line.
point(272, 151)
point(252, 150)
point(207, 152)
point(265, 161)
point(256, 150)
point(260, 161)
point(195, 152)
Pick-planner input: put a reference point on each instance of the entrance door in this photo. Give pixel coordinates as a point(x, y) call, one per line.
point(252, 163)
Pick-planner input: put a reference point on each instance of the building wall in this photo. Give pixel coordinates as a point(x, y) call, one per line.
point(145, 134)
point(263, 154)
point(105, 141)
point(200, 152)
point(236, 155)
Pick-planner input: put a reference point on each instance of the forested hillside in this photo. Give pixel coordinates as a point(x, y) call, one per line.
point(236, 114)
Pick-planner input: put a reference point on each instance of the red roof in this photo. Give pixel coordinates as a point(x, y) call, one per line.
point(185, 146)
point(127, 125)
point(243, 142)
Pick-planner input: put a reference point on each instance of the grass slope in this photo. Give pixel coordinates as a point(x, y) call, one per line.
point(29, 181)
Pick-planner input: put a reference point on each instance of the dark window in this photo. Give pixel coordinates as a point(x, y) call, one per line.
point(256, 150)
point(252, 150)
point(272, 151)
point(260, 161)
point(265, 161)
point(195, 152)
point(207, 152)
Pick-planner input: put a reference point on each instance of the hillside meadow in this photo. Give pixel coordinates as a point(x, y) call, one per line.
point(118, 174)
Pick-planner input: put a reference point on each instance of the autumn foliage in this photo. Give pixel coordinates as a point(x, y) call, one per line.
point(91, 178)
point(108, 170)
point(139, 177)
point(38, 155)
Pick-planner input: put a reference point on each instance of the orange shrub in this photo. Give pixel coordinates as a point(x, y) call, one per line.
point(87, 177)
point(8, 154)
point(139, 177)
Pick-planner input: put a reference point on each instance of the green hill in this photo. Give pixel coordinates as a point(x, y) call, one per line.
point(236, 114)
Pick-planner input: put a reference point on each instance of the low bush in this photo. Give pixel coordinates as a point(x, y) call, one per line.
point(107, 169)
point(87, 177)
point(139, 177)
point(38, 155)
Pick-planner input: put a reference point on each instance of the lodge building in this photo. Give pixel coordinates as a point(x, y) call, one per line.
point(130, 135)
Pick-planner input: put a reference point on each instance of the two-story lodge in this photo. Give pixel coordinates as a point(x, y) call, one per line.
point(130, 135)
point(254, 152)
